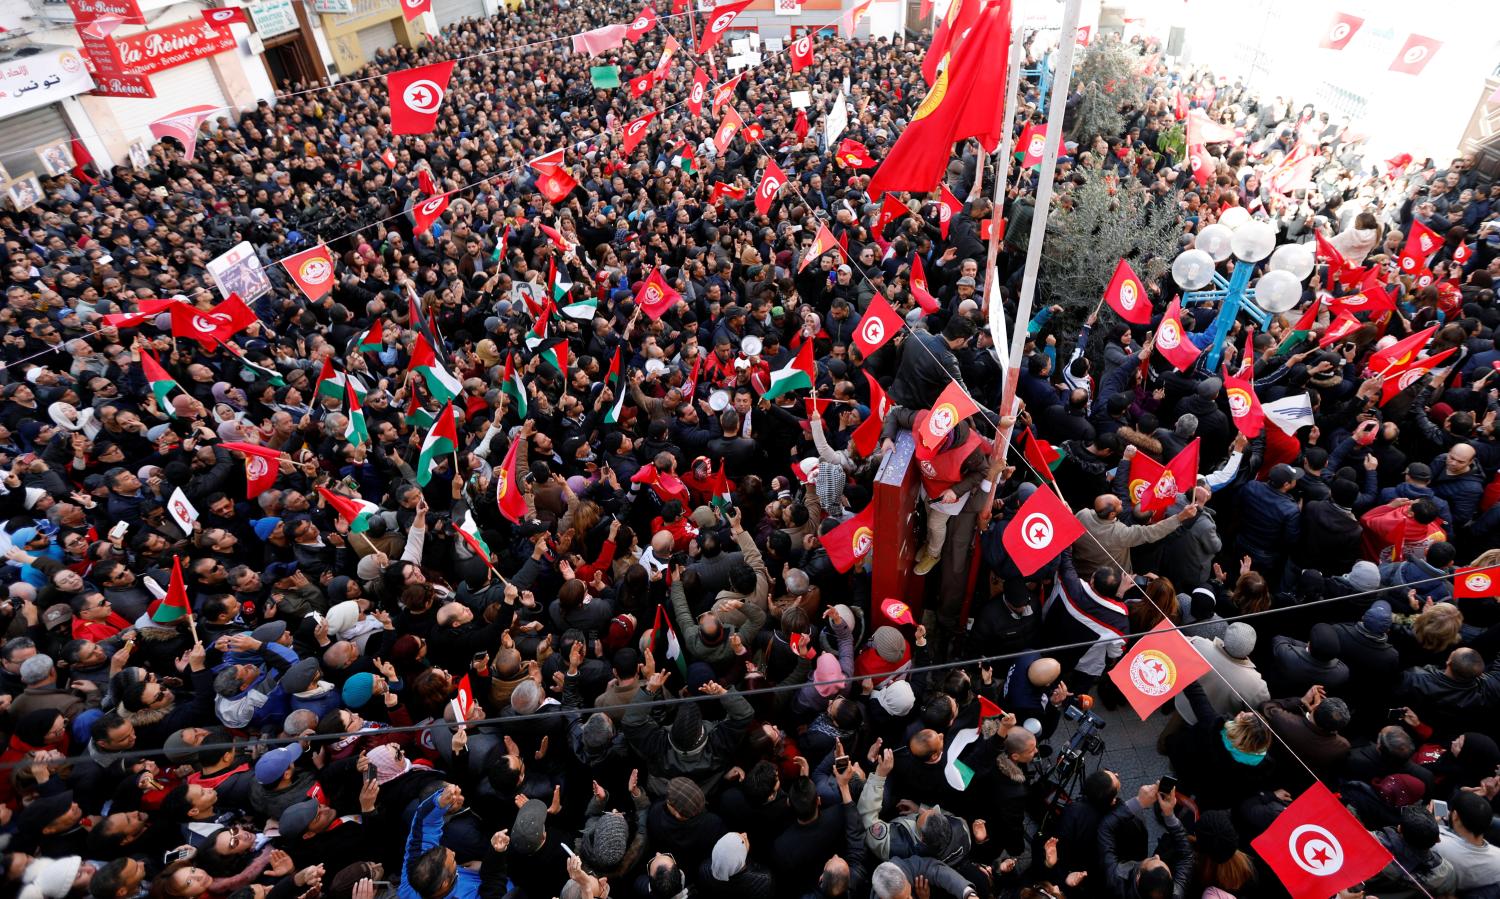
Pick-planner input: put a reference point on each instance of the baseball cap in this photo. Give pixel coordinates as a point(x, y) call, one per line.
point(271, 766)
point(1284, 474)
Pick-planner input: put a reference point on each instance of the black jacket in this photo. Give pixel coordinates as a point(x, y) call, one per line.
point(927, 365)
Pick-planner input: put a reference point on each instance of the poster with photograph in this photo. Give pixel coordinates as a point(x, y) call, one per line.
point(140, 155)
point(57, 158)
point(239, 271)
point(24, 192)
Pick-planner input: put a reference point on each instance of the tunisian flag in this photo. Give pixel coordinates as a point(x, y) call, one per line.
point(417, 96)
point(961, 104)
point(1172, 341)
point(877, 326)
point(1126, 296)
point(508, 495)
point(644, 21)
point(1317, 848)
point(850, 542)
point(698, 91)
point(1421, 243)
point(215, 326)
point(772, 180)
point(1415, 54)
point(410, 9)
point(1158, 667)
point(635, 131)
point(1244, 407)
point(1340, 31)
point(1043, 527)
point(802, 52)
point(719, 21)
point(427, 211)
point(261, 466)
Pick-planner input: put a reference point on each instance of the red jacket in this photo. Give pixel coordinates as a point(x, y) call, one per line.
point(99, 630)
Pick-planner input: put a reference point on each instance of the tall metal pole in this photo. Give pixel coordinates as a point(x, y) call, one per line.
point(995, 309)
point(1056, 109)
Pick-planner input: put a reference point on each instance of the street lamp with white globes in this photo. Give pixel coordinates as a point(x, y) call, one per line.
point(1277, 290)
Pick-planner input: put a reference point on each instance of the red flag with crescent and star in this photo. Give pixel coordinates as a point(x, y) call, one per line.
point(1044, 526)
point(1316, 848)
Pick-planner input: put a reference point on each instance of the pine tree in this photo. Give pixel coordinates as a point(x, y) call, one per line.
point(1093, 226)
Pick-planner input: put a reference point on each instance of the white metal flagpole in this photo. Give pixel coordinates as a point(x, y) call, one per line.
point(995, 309)
point(1056, 109)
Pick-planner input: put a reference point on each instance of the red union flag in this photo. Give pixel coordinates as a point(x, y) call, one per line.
point(1126, 296)
point(948, 206)
point(729, 126)
point(1476, 583)
point(1172, 341)
point(262, 464)
point(854, 154)
point(1317, 848)
point(656, 296)
point(877, 326)
point(312, 270)
point(416, 96)
point(555, 185)
point(1340, 31)
point(724, 93)
point(1032, 144)
point(1176, 476)
point(1415, 54)
point(1158, 667)
point(802, 52)
point(1340, 328)
point(772, 180)
point(1421, 243)
point(1400, 354)
point(413, 8)
point(644, 21)
point(1371, 300)
point(427, 211)
point(698, 91)
point(1411, 375)
point(508, 489)
point(635, 132)
point(719, 21)
point(1043, 527)
point(953, 406)
point(1244, 407)
point(850, 542)
point(1201, 163)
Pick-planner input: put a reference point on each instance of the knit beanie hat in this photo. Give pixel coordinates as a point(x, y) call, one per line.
point(1238, 640)
point(684, 797)
point(1323, 642)
point(342, 616)
point(264, 527)
point(1216, 836)
point(687, 728)
point(50, 878)
point(889, 644)
point(826, 675)
point(728, 856)
point(359, 689)
point(605, 840)
point(1364, 575)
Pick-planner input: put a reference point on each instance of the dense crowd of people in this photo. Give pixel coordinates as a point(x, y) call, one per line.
point(659, 682)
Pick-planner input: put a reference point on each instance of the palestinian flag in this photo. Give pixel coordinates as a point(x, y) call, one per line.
point(356, 431)
point(556, 356)
point(583, 310)
point(562, 285)
point(416, 414)
point(615, 381)
point(160, 382)
point(722, 498)
point(424, 361)
point(1303, 328)
point(685, 158)
point(373, 340)
point(352, 509)
point(174, 606)
point(798, 374)
point(270, 375)
point(441, 441)
point(664, 644)
point(1042, 456)
point(512, 386)
point(468, 529)
point(500, 246)
point(415, 320)
point(538, 332)
point(959, 762)
point(332, 383)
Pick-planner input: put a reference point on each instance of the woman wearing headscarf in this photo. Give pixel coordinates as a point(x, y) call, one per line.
point(1469, 759)
point(38, 730)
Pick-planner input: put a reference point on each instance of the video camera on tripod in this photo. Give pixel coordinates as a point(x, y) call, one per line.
point(1057, 787)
